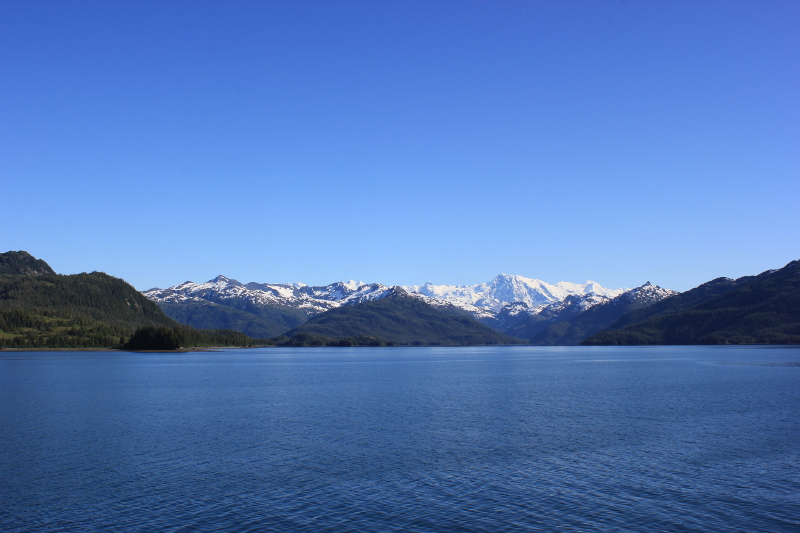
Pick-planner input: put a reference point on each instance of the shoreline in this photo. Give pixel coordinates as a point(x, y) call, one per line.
point(220, 348)
point(203, 349)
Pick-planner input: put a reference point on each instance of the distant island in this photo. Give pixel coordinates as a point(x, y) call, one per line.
point(40, 309)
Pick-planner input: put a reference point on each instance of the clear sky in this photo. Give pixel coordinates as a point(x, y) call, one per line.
point(402, 142)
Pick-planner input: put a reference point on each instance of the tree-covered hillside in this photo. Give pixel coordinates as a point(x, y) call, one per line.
point(764, 311)
point(683, 301)
point(401, 320)
point(526, 326)
point(262, 324)
point(80, 310)
point(22, 263)
point(181, 337)
point(47, 310)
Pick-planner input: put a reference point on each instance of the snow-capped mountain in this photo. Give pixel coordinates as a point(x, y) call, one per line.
point(596, 317)
point(485, 301)
point(643, 296)
point(311, 300)
point(518, 320)
point(506, 289)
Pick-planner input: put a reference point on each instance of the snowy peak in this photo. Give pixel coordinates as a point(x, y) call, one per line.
point(574, 304)
point(398, 291)
point(220, 282)
point(644, 295)
point(506, 289)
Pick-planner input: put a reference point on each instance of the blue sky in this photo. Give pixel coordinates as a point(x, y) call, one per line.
point(402, 142)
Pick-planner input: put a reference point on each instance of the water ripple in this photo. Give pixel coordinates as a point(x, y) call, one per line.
point(468, 445)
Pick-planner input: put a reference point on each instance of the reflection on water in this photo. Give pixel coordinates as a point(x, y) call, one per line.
point(396, 439)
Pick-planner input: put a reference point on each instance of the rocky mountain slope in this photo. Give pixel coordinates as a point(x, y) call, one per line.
point(522, 322)
point(600, 316)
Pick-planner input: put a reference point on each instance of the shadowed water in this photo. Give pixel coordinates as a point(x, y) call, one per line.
point(402, 439)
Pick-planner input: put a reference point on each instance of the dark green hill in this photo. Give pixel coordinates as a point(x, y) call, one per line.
point(528, 326)
point(209, 315)
point(683, 301)
point(401, 320)
point(763, 310)
point(160, 338)
point(96, 295)
point(22, 263)
point(80, 310)
point(47, 310)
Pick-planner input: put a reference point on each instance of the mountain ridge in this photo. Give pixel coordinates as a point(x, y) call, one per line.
point(762, 309)
point(41, 308)
point(484, 302)
point(400, 319)
point(598, 317)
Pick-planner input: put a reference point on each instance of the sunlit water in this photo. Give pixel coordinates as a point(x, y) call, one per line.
point(402, 439)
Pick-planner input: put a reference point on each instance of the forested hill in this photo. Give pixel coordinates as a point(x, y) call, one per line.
point(240, 315)
point(683, 301)
point(41, 309)
point(400, 320)
point(763, 311)
point(22, 263)
point(79, 310)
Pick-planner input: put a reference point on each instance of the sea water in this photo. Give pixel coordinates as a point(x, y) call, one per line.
point(402, 439)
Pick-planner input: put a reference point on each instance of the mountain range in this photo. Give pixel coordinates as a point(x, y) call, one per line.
point(518, 307)
point(504, 303)
point(39, 308)
point(400, 318)
point(762, 309)
point(600, 316)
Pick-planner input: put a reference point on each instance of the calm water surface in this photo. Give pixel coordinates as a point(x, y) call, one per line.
point(402, 439)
